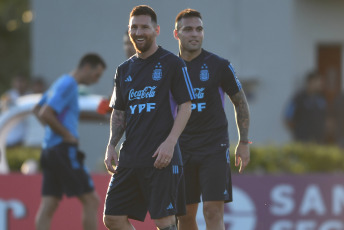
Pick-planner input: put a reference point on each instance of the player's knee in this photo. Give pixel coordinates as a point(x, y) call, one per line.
point(165, 222)
point(90, 200)
point(212, 213)
point(48, 207)
point(95, 200)
point(114, 222)
point(188, 218)
point(45, 212)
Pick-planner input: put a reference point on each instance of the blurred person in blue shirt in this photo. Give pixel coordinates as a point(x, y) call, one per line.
point(61, 161)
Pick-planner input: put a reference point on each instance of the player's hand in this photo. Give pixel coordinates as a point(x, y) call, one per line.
point(111, 155)
point(242, 156)
point(164, 154)
point(70, 139)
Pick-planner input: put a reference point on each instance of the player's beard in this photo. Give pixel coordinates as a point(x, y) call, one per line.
point(142, 47)
point(192, 48)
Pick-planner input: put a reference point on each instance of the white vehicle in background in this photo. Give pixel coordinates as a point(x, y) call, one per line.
point(34, 130)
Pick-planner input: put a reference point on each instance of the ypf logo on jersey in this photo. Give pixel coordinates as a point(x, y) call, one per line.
point(157, 72)
point(204, 74)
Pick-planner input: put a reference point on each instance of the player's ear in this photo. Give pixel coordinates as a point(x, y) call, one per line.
point(157, 29)
point(175, 34)
point(85, 68)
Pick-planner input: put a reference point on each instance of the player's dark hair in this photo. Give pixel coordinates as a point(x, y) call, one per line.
point(92, 59)
point(20, 76)
point(144, 10)
point(38, 80)
point(187, 13)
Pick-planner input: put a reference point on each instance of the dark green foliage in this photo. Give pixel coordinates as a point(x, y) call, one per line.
point(294, 158)
point(17, 155)
point(14, 44)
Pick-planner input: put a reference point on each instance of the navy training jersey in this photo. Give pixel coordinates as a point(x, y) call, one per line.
point(149, 91)
point(207, 129)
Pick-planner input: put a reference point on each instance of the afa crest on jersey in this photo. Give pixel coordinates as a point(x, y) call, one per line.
point(204, 74)
point(157, 72)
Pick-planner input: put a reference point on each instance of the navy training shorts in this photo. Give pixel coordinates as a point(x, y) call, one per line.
point(134, 191)
point(64, 171)
point(208, 176)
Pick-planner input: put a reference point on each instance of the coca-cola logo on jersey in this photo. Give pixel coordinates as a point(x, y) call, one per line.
point(147, 92)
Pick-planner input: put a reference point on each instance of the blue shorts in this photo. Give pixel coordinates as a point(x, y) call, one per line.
point(134, 191)
point(209, 176)
point(64, 171)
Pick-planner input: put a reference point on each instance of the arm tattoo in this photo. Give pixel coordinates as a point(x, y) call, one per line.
point(117, 126)
point(242, 114)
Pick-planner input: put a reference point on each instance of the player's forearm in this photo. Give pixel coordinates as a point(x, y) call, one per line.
point(242, 114)
point(117, 126)
point(180, 121)
point(35, 111)
point(48, 116)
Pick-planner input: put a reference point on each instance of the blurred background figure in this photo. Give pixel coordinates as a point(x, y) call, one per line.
point(338, 115)
point(306, 113)
point(127, 45)
point(19, 86)
point(35, 131)
point(38, 85)
point(129, 50)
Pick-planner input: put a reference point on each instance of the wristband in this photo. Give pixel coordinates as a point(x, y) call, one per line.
point(246, 142)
